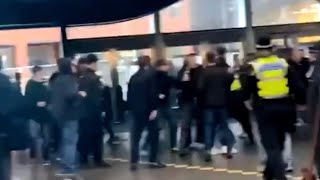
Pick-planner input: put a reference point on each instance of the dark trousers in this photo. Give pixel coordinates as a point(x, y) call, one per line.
point(5, 160)
point(90, 139)
point(274, 120)
point(198, 114)
point(40, 132)
point(217, 119)
point(242, 115)
point(108, 126)
point(140, 122)
point(186, 123)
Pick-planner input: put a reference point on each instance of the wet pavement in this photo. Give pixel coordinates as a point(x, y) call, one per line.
point(242, 167)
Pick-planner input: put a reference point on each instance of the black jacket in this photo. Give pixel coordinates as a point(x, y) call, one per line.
point(90, 83)
point(35, 92)
point(164, 84)
point(188, 88)
point(143, 92)
point(301, 69)
point(107, 103)
point(215, 84)
point(65, 98)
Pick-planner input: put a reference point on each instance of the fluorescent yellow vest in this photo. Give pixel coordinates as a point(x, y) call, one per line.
point(236, 84)
point(271, 74)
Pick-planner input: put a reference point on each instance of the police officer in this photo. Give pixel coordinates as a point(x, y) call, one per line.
point(275, 89)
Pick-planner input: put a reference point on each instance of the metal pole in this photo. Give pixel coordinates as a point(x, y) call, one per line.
point(64, 42)
point(159, 42)
point(249, 43)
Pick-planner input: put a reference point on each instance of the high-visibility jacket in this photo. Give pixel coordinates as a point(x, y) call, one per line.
point(271, 73)
point(236, 84)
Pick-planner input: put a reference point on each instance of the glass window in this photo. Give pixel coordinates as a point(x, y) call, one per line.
point(195, 15)
point(41, 54)
point(284, 12)
point(144, 25)
point(7, 56)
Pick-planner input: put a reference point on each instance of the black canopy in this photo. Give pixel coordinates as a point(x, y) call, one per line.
point(70, 12)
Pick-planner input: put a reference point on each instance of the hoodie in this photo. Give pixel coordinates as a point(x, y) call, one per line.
point(65, 99)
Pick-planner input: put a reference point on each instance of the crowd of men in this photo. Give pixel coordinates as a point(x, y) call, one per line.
point(271, 84)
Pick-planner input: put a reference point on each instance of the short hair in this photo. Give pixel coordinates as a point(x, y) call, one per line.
point(221, 50)
point(91, 58)
point(36, 69)
point(82, 60)
point(144, 61)
point(210, 57)
point(160, 62)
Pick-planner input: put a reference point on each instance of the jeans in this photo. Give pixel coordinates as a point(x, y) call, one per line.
point(216, 119)
point(140, 122)
point(5, 160)
point(186, 123)
point(68, 147)
point(165, 113)
point(40, 134)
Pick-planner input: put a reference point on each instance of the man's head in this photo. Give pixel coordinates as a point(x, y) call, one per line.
point(264, 46)
point(210, 57)
point(37, 71)
point(295, 54)
point(91, 62)
point(221, 51)
point(144, 61)
point(162, 65)
point(191, 60)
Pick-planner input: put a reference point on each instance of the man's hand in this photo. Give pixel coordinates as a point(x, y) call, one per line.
point(162, 96)
point(153, 115)
point(301, 107)
point(41, 104)
point(248, 105)
point(83, 93)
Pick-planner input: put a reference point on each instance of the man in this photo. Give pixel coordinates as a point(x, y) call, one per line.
point(65, 103)
point(189, 101)
point(273, 84)
point(37, 97)
point(215, 85)
point(237, 108)
point(143, 103)
point(221, 59)
point(314, 98)
point(6, 88)
point(90, 125)
point(165, 83)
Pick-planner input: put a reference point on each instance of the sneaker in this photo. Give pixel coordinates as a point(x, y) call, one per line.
point(114, 141)
point(184, 153)
point(174, 150)
point(102, 164)
point(289, 168)
point(243, 136)
point(66, 173)
point(47, 163)
point(157, 165)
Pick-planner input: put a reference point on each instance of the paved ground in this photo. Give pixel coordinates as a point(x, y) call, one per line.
point(241, 167)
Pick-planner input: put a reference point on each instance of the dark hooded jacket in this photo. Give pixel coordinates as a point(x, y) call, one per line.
point(65, 99)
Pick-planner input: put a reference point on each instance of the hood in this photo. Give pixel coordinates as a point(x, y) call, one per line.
point(64, 65)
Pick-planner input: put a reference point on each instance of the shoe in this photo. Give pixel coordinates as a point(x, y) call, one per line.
point(174, 150)
point(289, 168)
point(66, 173)
point(114, 141)
point(184, 153)
point(243, 136)
point(207, 157)
point(134, 167)
point(227, 155)
point(102, 164)
point(157, 165)
point(46, 163)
